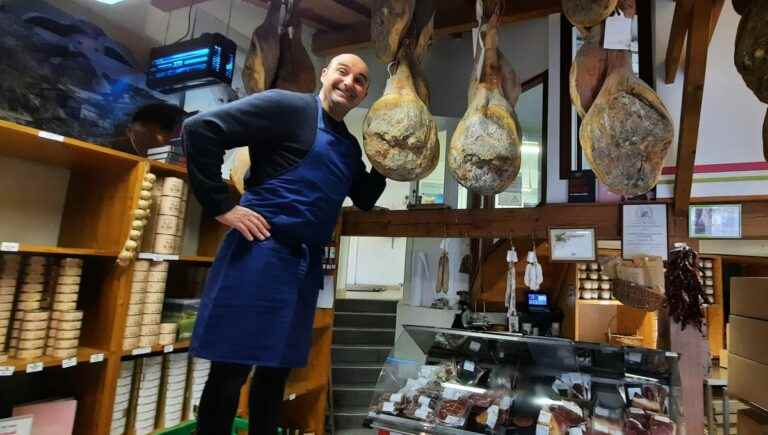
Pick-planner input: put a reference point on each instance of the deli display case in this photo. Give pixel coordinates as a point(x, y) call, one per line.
point(450, 381)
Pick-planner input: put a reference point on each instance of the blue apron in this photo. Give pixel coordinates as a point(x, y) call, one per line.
point(259, 300)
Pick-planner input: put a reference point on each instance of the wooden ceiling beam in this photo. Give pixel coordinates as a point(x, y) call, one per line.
point(355, 6)
point(321, 22)
point(451, 16)
point(693, 92)
point(681, 21)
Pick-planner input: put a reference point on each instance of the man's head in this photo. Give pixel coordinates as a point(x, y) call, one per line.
point(153, 125)
point(345, 84)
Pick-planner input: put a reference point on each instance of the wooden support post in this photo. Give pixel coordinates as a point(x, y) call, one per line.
point(693, 91)
point(681, 21)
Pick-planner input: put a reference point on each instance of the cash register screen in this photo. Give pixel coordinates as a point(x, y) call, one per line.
point(537, 300)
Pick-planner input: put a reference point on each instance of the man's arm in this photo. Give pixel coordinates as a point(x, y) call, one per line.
point(367, 188)
point(207, 136)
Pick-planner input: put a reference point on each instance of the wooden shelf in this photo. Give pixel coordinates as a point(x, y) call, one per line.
point(598, 302)
point(28, 143)
point(167, 169)
point(159, 348)
point(83, 356)
point(196, 259)
point(178, 258)
point(55, 250)
point(295, 390)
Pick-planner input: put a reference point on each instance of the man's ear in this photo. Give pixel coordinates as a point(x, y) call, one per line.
point(322, 73)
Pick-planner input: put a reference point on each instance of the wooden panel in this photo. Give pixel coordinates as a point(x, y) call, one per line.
point(451, 16)
point(715, 312)
point(631, 321)
point(55, 250)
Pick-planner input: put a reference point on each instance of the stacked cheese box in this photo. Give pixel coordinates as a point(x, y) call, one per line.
point(28, 315)
point(66, 320)
point(148, 392)
point(200, 368)
point(136, 305)
point(748, 340)
point(145, 309)
point(122, 398)
point(167, 214)
point(174, 385)
point(9, 273)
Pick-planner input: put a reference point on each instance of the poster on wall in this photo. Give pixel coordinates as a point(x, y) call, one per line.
point(573, 244)
point(65, 75)
point(644, 230)
point(714, 221)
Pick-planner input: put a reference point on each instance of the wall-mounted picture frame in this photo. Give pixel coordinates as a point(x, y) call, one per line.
point(572, 244)
point(714, 221)
point(644, 230)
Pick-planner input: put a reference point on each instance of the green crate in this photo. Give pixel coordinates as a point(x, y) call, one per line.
point(187, 427)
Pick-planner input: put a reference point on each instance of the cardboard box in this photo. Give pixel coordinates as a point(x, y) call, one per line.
point(748, 380)
point(752, 422)
point(749, 297)
point(749, 338)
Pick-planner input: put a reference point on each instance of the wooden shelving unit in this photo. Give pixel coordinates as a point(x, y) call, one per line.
point(102, 187)
point(716, 312)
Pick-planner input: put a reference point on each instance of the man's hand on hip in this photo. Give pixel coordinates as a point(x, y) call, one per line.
point(250, 224)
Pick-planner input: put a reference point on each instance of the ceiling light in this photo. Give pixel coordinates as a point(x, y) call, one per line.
point(109, 2)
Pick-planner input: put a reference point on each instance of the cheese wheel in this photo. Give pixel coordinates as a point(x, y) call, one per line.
point(23, 297)
point(9, 270)
point(157, 276)
point(36, 259)
point(164, 244)
point(64, 306)
point(155, 287)
point(31, 343)
point(134, 320)
point(139, 286)
point(71, 262)
point(34, 325)
point(137, 298)
point(36, 315)
point(16, 333)
point(173, 186)
point(168, 328)
point(130, 343)
point(33, 335)
point(134, 309)
point(64, 334)
point(8, 282)
point(68, 288)
point(154, 297)
point(30, 353)
point(150, 319)
point(67, 315)
point(66, 343)
point(53, 324)
point(65, 297)
point(34, 278)
point(70, 271)
point(169, 205)
point(167, 224)
point(141, 265)
point(71, 279)
point(17, 323)
point(139, 275)
point(28, 306)
point(7, 291)
point(150, 329)
point(147, 340)
point(166, 339)
point(153, 309)
point(69, 325)
point(51, 338)
point(132, 331)
point(7, 299)
point(65, 353)
point(6, 306)
point(159, 266)
point(31, 288)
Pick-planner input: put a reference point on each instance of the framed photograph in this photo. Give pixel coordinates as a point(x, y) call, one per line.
point(644, 230)
point(714, 221)
point(573, 244)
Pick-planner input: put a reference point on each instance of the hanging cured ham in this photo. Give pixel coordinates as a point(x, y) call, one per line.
point(399, 133)
point(588, 71)
point(261, 62)
point(627, 132)
point(484, 153)
point(588, 13)
point(295, 71)
point(751, 54)
point(390, 20)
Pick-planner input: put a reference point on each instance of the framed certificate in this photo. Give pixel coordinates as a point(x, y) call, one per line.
point(573, 244)
point(714, 221)
point(644, 230)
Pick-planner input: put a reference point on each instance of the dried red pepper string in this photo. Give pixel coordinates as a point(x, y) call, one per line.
point(685, 295)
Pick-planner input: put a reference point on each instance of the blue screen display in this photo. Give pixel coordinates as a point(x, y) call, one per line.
point(538, 299)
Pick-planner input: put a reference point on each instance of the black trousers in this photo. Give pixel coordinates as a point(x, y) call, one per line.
point(218, 404)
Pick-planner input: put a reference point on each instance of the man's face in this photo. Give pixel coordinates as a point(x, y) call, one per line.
point(345, 81)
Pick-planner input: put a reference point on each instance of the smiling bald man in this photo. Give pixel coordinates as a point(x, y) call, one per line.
point(259, 301)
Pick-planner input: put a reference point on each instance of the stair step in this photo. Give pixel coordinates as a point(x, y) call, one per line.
point(365, 320)
point(365, 306)
point(372, 337)
point(350, 396)
point(355, 374)
point(350, 417)
point(359, 354)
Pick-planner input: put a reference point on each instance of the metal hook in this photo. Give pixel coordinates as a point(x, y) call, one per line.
point(390, 66)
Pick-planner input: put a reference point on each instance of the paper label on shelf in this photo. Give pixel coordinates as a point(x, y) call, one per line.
point(141, 350)
point(9, 246)
point(396, 398)
point(469, 366)
point(35, 367)
point(618, 32)
point(69, 362)
point(672, 354)
point(388, 407)
point(168, 348)
point(157, 257)
point(97, 357)
point(7, 370)
point(51, 136)
point(291, 396)
point(474, 346)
